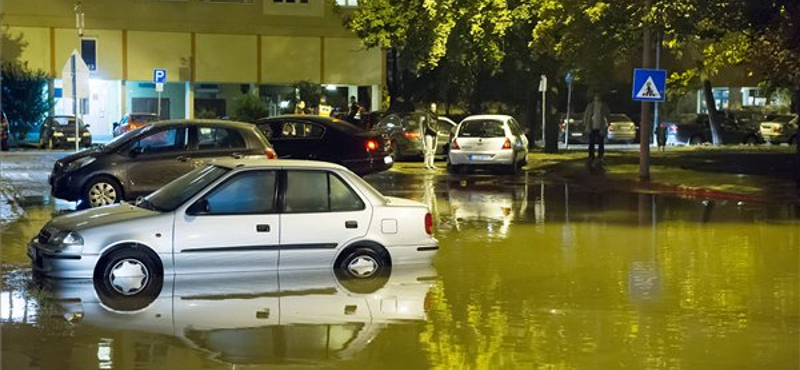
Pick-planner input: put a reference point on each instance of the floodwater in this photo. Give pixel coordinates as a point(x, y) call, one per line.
point(530, 275)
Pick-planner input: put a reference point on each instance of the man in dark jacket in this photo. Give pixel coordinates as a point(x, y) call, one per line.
point(595, 121)
point(429, 135)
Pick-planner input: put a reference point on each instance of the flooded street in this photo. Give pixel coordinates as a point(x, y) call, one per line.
point(531, 274)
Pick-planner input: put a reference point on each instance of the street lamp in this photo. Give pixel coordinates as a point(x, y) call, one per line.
point(79, 25)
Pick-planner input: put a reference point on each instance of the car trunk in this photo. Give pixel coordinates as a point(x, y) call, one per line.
point(481, 136)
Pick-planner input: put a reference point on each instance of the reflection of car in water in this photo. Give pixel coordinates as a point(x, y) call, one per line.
point(261, 318)
point(490, 203)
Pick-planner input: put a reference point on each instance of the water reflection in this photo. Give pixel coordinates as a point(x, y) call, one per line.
point(300, 317)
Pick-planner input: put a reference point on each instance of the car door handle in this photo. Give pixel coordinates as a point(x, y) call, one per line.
point(351, 224)
point(183, 158)
point(262, 228)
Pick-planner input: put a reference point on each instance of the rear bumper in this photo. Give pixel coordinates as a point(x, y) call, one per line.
point(364, 166)
point(621, 136)
point(502, 157)
point(414, 254)
point(776, 137)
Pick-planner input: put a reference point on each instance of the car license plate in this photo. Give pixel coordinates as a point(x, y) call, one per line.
point(576, 134)
point(480, 157)
point(388, 159)
point(71, 139)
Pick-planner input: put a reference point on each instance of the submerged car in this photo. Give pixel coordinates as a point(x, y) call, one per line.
point(405, 131)
point(238, 216)
point(494, 141)
point(779, 129)
point(59, 132)
point(328, 139)
point(138, 162)
point(695, 129)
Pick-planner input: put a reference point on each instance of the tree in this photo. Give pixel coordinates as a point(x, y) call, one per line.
point(249, 108)
point(25, 101)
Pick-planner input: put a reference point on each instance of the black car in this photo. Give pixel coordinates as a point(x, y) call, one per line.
point(59, 132)
point(695, 129)
point(328, 139)
point(405, 132)
point(140, 161)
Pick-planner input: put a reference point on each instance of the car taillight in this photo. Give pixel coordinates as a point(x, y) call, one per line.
point(611, 128)
point(411, 135)
point(429, 223)
point(507, 144)
point(372, 145)
point(673, 127)
point(454, 145)
point(776, 128)
point(270, 153)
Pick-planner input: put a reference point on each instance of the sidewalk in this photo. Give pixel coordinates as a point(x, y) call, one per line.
point(760, 174)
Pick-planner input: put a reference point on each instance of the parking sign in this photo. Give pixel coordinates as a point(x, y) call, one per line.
point(159, 75)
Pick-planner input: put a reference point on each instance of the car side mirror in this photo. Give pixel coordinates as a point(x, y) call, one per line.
point(87, 125)
point(199, 208)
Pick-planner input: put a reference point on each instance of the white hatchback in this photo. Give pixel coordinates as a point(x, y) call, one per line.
point(236, 216)
point(488, 141)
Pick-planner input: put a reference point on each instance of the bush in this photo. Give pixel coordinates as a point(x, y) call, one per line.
point(249, 108)
point(25, 101)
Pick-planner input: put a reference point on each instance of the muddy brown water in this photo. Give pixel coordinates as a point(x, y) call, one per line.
point(530, 275)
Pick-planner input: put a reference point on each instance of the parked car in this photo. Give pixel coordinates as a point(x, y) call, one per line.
point(132, 121)
point(778, 129)
point(405, 131)
point(5, 132)
point(298, 317)
point(140, 161)
point(621, 128)
point(239, 215)
point(576, 129)
point(488, 141)
point(59, 131)
point(695, 129)
point(328, 139)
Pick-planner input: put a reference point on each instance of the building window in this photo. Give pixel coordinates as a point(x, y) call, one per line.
point(347, 2)
point(291, 1)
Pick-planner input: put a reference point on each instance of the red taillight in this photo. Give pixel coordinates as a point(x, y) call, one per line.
point(411, 135)
point(372, 145)
point(673, 127)
point(507, 144)
point(429, 223)
point(454, 145)
point(270, 153)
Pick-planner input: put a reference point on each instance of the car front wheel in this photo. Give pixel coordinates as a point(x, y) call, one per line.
point(128, 278)
point(102, 191)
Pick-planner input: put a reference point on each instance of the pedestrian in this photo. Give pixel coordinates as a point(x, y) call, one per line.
point(300, 107)
point(595, 121)
point(4, 131)
point(355, 108)
point(661, 136)
point(429, 133)
point(324, 110)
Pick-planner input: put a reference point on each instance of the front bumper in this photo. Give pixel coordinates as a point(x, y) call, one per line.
point(776, 137)
point(64, 186)
point(461, 157)
point(69, 141)
point(64, 264)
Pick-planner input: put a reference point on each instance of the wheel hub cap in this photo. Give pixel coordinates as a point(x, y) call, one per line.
point(129, 277)
point(363, 266)
point(102, 194)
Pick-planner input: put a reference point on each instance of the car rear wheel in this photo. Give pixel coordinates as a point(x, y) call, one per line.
point(363, 269)
point(696, 140)
point(128, 278)
point(102, 191)
point(750, 140)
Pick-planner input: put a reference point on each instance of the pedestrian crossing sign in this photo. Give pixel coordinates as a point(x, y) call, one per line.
point(649, 84)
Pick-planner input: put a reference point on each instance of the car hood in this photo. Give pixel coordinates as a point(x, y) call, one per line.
point(95, 217)
point(91, 151)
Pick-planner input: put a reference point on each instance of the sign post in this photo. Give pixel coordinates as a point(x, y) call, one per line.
point(543, 90)
point(159, 78)
point(75, 75)
point(649, 85)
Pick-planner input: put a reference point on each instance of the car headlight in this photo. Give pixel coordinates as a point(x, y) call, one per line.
point(79, 163)
point(67, 239)
point(87, 133)
point(58, 134)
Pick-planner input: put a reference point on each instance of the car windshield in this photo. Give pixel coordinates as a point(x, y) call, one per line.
point(482, 128)
point(183, 188)
point(65, 121)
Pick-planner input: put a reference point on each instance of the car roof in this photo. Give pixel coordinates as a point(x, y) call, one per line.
point(215, 122)
point(497, 117)
point(325, 121)
point(259, 162)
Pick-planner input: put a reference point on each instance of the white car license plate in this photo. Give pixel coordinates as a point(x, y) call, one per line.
point(480, 157)
point(71, 139)
point(576, 134)
point(388, 159)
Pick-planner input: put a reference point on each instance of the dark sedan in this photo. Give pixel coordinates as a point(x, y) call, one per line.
point(59, 131)
point(695, 129)
point(328, 139)
point(140, 161)
point(406, 134)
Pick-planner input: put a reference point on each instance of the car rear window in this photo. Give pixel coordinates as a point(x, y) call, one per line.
point(619, 118)
point(482, 128)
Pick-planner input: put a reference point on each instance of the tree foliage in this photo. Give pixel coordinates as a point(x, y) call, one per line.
point(24, 99)
point(249, 108)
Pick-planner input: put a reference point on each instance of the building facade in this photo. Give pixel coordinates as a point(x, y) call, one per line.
point(213, 51)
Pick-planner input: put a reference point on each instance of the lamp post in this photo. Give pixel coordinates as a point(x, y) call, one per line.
point(79, 25)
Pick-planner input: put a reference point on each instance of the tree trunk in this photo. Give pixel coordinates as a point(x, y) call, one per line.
point(711, 106)
point(796, 109)
point(551, 125)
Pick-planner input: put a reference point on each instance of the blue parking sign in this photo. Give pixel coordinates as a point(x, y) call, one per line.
point(159, 75)
point(649, 84)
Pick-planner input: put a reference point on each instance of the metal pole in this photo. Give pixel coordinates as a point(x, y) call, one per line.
point(543, 88)
point(569, 111)
point(644, 139)
point(657, 104)
point(159, 105)
point(75, 100)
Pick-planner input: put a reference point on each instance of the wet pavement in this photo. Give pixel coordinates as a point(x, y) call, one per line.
point(532, 273)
